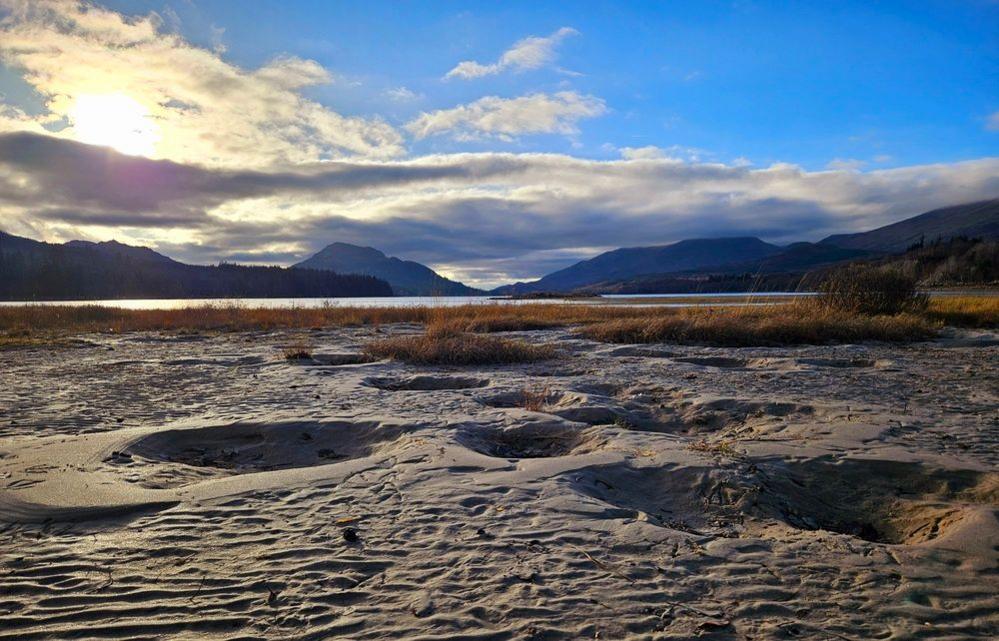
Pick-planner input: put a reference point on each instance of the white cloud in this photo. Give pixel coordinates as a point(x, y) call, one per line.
point(507, 118)
point(992, 124)
point(649, 152)
point(208, 110)
point(402, 94)
point(532, 52)
point(673, 153)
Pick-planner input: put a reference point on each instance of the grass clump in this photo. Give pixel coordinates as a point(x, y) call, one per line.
point(443, 345)
point(298, 352)
point(871, 290)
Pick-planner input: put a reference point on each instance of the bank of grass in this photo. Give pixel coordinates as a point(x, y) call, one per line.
point(790, 324)
point(442, 344)
point(44, 320)
point(804, 321)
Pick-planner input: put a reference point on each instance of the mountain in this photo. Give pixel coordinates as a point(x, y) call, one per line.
point(405, 276)
point(632, 262)
point(80, 270)
point(972, 220)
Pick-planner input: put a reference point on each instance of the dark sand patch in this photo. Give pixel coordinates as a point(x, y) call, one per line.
point(248, 447)
point(531, 440)
point(425, 382)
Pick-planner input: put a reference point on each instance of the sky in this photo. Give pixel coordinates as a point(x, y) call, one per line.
point(492, 141)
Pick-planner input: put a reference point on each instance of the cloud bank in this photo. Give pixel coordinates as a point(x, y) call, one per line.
point(486, 217)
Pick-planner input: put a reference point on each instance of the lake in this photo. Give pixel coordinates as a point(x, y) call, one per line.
point(667, 300)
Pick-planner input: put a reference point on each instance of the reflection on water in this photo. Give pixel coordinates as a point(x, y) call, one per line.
point(669, 300)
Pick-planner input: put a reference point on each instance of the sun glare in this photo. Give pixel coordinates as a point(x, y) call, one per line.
point(117, 121)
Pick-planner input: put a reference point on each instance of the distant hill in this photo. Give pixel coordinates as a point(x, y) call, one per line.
point(778, 272)
point(734, 264)
point(973, 220)
point(80, 270)
point(405, 276)
point(633, 262)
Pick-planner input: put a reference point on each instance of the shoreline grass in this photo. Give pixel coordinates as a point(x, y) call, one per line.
point(775, 323)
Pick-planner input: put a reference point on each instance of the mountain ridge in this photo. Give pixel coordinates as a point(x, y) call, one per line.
point(82, 270)
point(977, 219)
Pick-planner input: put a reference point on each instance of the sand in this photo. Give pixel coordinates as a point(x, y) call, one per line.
point(202, 487)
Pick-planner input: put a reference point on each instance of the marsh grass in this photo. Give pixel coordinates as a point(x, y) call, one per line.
point(964, 311)
point(40, 319)
point(803, 321)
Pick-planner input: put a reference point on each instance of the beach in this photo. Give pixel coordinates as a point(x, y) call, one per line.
point(202, 485)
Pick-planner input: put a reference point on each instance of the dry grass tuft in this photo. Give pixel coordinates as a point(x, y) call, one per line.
point(298, 352)
point(443, 345)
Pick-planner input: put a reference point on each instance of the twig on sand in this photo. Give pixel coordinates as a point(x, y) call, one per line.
point(200, 585)
point(107, 582)
point(603, 566)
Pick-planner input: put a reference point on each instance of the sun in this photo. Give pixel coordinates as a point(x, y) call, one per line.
point(115, 120)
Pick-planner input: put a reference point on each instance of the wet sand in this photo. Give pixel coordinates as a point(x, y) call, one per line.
point(203, 487)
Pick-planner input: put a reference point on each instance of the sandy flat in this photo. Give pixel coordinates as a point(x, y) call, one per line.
point(202, 487)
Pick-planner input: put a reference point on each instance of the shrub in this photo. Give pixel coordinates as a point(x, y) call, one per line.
point(864, 289)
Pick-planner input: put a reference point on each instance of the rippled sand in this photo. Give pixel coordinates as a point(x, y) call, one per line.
point(203, 487)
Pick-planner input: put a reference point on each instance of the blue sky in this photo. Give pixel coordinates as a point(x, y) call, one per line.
point(493, 141)
point(886, 83)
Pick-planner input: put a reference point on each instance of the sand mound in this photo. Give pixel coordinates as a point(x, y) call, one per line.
point(879, 501)
point(247, 447)
point(425, 383)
